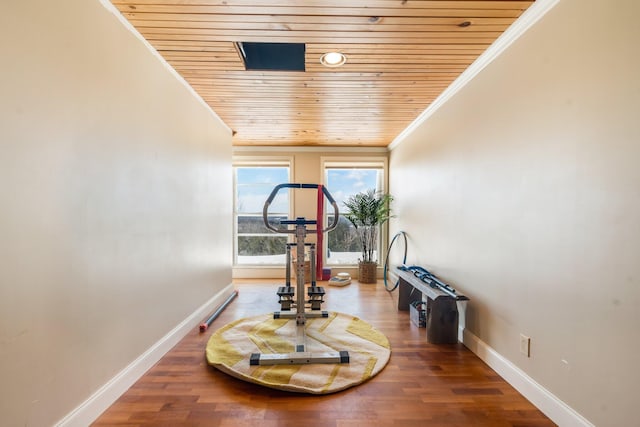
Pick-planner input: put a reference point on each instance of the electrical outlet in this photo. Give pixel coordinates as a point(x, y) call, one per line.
point(525, 345)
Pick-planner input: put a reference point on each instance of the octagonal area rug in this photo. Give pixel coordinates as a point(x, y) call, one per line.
point(229, 349)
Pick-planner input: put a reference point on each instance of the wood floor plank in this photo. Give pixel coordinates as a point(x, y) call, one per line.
point(423, 384)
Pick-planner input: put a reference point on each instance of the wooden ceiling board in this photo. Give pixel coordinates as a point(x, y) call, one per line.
point(401, 55)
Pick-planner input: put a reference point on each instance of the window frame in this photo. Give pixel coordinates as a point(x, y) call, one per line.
point(258, 162)
point(350, 163)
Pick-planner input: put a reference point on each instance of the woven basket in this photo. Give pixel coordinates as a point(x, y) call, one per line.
point(367, 272)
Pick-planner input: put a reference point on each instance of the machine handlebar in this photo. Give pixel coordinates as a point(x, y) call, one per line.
point(277, 188)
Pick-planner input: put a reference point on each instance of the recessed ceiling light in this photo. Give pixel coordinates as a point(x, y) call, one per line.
point(333, 59)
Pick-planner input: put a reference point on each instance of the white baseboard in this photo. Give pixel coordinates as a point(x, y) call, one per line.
point(554, 408)
point(104, 397)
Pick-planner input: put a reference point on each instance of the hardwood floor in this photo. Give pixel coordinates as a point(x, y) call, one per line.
point(422, 385)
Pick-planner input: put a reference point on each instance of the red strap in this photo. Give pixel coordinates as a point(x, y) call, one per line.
point(319, 226)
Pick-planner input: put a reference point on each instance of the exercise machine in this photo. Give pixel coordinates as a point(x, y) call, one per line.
point(294, 297)
point(432, 280)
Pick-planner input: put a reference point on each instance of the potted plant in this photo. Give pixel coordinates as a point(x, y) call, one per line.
point(367, 211)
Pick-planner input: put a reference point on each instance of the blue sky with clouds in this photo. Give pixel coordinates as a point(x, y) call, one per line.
point(344, 182)
point(254, 184)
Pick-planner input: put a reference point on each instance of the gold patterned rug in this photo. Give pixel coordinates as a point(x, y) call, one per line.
point(229, 349)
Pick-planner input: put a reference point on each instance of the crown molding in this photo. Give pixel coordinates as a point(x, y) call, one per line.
point(307, 149)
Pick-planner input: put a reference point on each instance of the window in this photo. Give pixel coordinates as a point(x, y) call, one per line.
point(254, 243)
point(344, 179)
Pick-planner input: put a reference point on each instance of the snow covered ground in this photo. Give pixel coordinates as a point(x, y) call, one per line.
point(335, 258)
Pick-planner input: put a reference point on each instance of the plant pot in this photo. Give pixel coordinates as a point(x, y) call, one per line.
point(367, 272)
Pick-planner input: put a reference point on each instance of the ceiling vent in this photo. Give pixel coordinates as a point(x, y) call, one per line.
point(272, 56)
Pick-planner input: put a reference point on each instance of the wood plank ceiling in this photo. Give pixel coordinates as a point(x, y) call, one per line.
point(401, 54)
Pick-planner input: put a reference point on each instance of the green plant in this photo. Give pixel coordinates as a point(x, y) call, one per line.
point(367, 211)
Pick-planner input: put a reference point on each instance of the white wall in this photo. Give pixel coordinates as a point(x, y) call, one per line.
point(115, 193)
point(529, 203)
